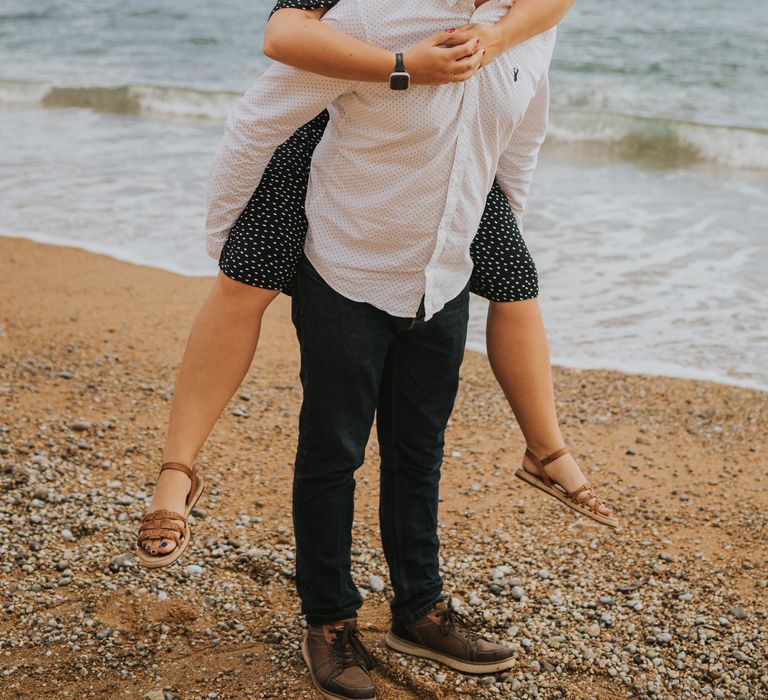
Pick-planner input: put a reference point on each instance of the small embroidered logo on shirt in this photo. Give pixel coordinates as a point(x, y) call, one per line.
point(515, 71)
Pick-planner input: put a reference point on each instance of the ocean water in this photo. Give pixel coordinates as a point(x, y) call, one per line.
point(648, 216)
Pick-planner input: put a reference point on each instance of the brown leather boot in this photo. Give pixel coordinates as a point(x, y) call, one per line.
point(338, 661)
point(443, 635)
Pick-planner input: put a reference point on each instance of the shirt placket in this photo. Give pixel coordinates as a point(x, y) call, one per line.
point(458, 170)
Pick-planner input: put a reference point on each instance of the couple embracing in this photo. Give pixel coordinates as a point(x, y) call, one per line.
point(379, 189)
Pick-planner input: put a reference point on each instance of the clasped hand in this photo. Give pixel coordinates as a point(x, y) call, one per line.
point(453, 55)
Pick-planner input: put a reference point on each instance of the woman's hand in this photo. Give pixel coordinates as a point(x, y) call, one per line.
point(492, 39)
point(451, 56)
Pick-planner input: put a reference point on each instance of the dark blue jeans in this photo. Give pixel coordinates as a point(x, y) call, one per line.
point(356, 362)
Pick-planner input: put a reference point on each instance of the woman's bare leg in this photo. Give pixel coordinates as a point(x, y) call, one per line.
point(218, 355)
point(519, 356)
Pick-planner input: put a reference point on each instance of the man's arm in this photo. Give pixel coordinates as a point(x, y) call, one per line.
point(278, 103)
point(518, 162)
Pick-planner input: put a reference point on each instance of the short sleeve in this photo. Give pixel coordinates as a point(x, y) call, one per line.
point(302, 5)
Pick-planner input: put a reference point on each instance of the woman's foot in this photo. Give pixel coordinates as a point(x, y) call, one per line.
point(566, 472)
point(171, 491)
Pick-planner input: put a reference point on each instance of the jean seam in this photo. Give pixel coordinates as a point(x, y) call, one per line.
point(396, 516)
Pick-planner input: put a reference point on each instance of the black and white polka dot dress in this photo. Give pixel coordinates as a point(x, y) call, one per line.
point(265, 244)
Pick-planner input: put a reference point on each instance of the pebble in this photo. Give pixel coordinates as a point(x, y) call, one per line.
point(440, 677)
point(122, 562)
point(516, 593)
point(738, 613)
point(685, 597)
point(663, 638)
point(193, 569)
point(81, 426)
point(375, 583)
point(66, 534)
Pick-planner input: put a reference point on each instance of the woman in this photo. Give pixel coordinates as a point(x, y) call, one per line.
point(260, 254)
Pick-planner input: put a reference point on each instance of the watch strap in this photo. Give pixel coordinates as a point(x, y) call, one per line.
point(399, 65)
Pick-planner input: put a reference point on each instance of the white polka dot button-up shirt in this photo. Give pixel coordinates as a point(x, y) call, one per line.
point(398, 182)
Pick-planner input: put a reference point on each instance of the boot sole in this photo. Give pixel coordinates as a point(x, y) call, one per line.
point(321, 690)
point(394, 642)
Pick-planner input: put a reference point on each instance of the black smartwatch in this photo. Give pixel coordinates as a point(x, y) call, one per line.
point(399, 78)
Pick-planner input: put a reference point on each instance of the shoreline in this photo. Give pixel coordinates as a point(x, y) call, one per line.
point(671, 371)
point(672, 604)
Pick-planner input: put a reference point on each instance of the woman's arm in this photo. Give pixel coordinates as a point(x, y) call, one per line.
point(525, 19)
point(299, 39)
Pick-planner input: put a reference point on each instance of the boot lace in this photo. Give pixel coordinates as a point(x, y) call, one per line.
point(452, 620)
point(348, 649)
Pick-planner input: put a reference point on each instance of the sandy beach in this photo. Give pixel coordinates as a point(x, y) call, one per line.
point(673, 606)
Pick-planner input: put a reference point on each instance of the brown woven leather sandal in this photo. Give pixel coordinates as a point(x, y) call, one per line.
point(165, 524)
point(578, 499)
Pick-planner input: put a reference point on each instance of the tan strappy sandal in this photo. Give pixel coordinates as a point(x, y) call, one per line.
point(578, 499)
point(165, 524)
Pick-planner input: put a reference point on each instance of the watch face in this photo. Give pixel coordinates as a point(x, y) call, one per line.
point(399, 81)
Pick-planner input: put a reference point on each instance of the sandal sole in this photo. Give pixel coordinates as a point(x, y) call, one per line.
point(394, 642)
point(154, 562)
point(563, 498)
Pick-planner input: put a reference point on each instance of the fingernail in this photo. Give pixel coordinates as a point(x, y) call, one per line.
point(451, 30)
point(485, 51)
point(477, 41)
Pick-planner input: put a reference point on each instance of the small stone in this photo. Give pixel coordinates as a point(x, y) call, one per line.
point(593, 630)
point(41, 461)
point(81, 425)
point(440, 677)
point(103, 634)
point(516, 593)
point(605, 600)
point(375, 583)
point(122, 562)
point(41, 492)
point(664, 556)
point(154, 695)
point(66, 534)
point(162, 595)
point(685, 597)
point(512, 632)
point(194, 569)
point(663, 638)
point(738, 613)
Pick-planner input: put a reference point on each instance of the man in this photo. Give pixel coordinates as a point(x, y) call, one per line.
point(396, 192)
